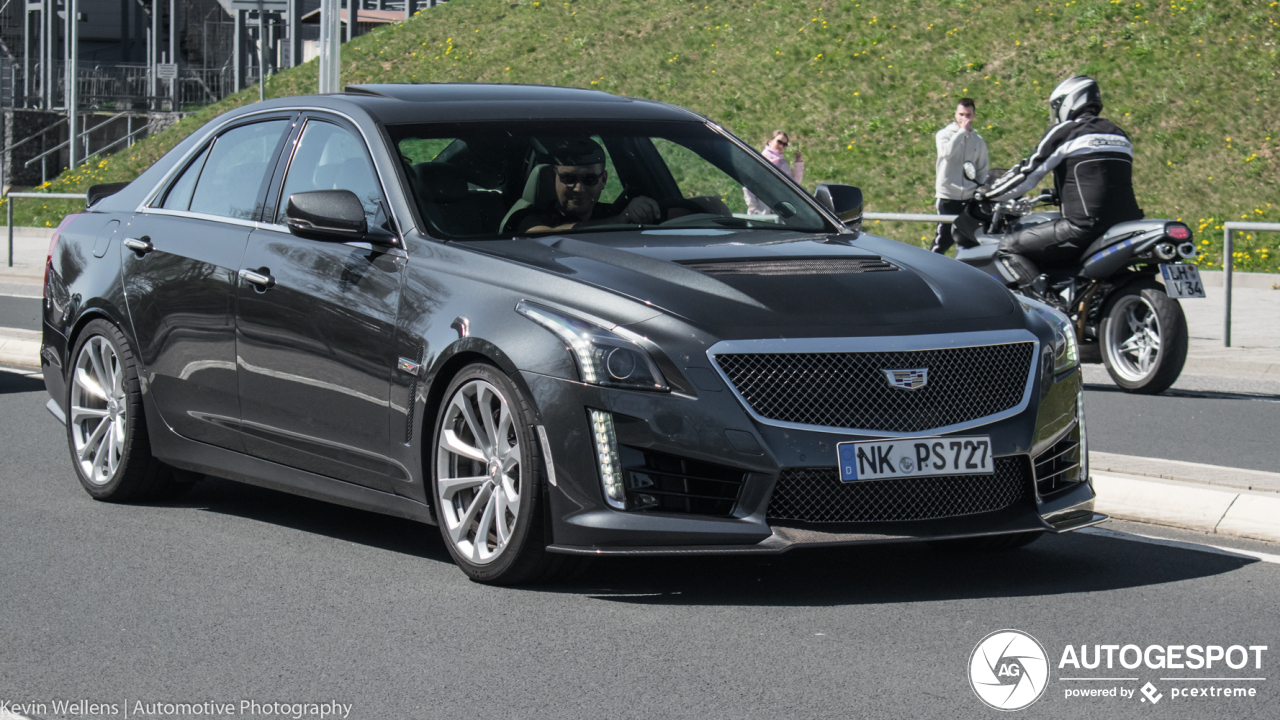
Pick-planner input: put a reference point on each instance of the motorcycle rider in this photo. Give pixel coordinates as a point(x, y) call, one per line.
point(1092, 163)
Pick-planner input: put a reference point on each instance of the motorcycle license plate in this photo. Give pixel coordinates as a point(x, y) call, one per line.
point(1182, 281)
point(914, 458)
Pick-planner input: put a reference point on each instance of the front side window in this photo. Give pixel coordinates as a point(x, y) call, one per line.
point(330, 158)
point(498, 180)
point(235, 169)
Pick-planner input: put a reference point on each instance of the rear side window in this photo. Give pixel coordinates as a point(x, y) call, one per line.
point(179, 195)
point(235, 168)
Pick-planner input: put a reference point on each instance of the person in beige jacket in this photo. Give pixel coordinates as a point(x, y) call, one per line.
point(957, 144)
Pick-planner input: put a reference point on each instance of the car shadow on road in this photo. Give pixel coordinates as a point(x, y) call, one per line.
point(1070, 564)
point(313, 516)
point(19, 382)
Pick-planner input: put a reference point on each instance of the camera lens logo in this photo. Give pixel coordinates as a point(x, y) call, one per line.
point(1009, 670)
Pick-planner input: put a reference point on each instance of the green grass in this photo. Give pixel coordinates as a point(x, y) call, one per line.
point(863, 85)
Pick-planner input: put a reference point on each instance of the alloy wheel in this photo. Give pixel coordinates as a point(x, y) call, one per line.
point(99, 410)
point(1133, 338)
point(478, 472)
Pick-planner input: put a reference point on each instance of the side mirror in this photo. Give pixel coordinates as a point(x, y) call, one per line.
point(970, 171)
point(843, 200)
point(335, 215)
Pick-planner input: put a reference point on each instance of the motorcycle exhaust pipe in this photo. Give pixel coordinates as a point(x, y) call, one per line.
point(1166, 251)
point(1187, 250)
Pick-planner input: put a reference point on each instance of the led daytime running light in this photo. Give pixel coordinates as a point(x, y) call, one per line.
point(606, 441)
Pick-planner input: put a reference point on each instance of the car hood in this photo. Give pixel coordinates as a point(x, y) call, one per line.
point(743, 284)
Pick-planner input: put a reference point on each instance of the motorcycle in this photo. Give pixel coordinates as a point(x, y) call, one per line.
point(1123, 316)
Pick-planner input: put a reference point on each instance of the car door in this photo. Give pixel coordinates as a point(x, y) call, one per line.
point(180, 257)
point(315, 335)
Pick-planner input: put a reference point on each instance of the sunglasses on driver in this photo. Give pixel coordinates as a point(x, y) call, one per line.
point(587, 179)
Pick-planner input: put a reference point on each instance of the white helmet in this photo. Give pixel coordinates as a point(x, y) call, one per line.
point(1073, 96)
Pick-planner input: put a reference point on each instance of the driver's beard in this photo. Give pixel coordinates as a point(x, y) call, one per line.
point(578, 209)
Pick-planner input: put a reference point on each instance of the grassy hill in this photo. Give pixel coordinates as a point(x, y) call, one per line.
point(862, 85)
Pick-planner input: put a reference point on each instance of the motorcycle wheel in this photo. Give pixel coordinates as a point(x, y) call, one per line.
point(1143, 338)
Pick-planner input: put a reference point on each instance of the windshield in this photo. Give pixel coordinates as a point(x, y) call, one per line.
point(501, 180)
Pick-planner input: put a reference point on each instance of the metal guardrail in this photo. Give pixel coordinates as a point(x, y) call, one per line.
point(9, 209)
point(1228, 258)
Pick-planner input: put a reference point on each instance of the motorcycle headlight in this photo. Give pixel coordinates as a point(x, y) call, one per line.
point(1066, 350)
point(603, 356)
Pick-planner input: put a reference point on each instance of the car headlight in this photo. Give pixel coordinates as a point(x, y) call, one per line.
point(1066, 350)
point(604, 356)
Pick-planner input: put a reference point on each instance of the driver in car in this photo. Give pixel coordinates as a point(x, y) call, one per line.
point(580, 177)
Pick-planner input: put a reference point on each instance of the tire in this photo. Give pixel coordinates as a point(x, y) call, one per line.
point(489, 541)
point(106, 426)
point(1143, 338)
point(989, 543)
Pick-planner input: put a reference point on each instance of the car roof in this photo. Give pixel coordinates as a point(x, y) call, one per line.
point(396, 103)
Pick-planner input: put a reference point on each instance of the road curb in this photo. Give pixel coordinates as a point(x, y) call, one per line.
point(1236, 478)
point(1198, 506)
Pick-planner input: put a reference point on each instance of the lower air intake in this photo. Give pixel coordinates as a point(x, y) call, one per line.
point(660, 482)
point(817, 495)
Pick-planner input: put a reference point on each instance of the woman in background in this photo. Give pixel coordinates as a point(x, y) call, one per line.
point(773, 151)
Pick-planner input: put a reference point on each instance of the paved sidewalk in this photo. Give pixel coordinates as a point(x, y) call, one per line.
point(30, 248)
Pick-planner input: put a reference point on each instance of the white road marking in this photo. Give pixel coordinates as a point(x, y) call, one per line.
point(1202, 547)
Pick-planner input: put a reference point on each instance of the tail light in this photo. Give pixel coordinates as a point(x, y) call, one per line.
point(1177, 231)
point(53, 242)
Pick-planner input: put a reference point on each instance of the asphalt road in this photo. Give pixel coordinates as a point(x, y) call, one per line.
point(236, 593)
point(1229, 429)
point(19, 312)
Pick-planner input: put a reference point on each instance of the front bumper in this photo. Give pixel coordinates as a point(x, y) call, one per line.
point(715, 428)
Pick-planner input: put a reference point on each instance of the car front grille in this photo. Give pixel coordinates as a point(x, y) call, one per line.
point(816, 495)
point(849, 389)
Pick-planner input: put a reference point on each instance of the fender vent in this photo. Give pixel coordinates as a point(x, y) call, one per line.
point(411, 405)
point(802, 266)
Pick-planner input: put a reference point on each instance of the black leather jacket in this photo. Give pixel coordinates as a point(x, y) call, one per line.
point(1092, 163)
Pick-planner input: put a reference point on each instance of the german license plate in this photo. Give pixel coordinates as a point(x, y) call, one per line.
point(1182, 281)
point(915, 457)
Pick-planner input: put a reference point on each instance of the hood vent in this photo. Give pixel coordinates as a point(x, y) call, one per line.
point(799, 266)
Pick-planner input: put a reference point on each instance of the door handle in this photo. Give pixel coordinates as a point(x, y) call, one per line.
point(141, 245)
point(261, 281)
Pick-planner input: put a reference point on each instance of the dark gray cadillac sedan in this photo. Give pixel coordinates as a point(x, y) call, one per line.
point(545, 320)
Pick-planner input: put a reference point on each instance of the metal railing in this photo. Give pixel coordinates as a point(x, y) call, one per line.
point(1228, 260)
point(1228, 229)
point(126, 86)
point(12, 195)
